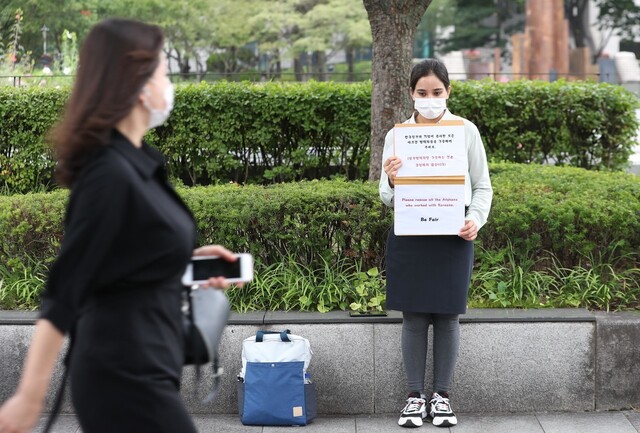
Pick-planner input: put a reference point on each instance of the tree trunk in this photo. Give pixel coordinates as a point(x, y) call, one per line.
point(349, 52)
point(319, 65)
point(278, 69)
point(185, 69)
point(278, 65)
point(393, 27)
point(201, 69)
point(167, 52)
point(233, 67)
point(297, 68)
point(308, 66)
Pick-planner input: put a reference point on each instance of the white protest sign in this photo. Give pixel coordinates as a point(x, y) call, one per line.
point(431, 150)
point(429, 188)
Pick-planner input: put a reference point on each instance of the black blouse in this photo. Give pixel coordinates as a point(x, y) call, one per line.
point(125, 227)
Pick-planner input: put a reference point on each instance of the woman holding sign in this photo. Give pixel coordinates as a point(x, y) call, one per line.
point(428, 276)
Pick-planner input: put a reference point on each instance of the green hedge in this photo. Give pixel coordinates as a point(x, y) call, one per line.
point(307, 220)
point(220, 132)
point(26, 116)
point(542, 211)
point(271, 132)
point(565, 213)
point(581, 124)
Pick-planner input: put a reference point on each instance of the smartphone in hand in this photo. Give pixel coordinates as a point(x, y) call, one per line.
point(201, 268)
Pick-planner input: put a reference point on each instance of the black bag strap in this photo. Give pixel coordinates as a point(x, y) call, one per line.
point(284, 335)
point(55, 410)
point(57, 403)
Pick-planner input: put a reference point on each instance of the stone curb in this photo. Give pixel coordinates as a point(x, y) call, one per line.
point(510, 360)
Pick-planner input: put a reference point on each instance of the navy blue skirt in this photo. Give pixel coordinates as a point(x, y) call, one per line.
point(428, 274)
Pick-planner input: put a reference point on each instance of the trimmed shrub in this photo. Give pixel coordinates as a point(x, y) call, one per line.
point(241, 132)
point(311, 221)
point(563, 213)
point(308, 220)
point(267, 133)
point(581, 124)
point(272, 132)
point(26, 116)
point(542, 212)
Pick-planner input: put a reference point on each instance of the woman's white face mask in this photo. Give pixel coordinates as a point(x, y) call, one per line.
point(430, 108)
point(158, 116)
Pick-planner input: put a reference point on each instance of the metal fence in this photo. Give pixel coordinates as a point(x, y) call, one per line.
point(65, 80)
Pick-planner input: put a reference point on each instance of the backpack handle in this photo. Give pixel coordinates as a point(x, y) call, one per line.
point(283, 335)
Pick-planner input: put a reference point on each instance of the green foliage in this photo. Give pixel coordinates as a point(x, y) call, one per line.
point(482, 23)
point(593, 283)
point(556, 236)
point(191, 26)
point(14, 59)
point(559, 237)
point(361, 71)
point(31, 228)
point(565, 213)
point(26, 116)
point(69, 53)
point(218, 132)
point(619, 17)
point(434, 27)
point(326, 21)
point(568, 123)
point(242, 59)
point(314, 222)
point(21, 284)
point(273, 132)
point(600, 281)
point(267, 132)
point(369, 292)
point(289, 285)
point(221, 28)
point(75, 15)
point(506, 279)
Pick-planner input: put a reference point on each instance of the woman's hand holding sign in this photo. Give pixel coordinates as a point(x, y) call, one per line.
point(391, 167)
point(470, 231)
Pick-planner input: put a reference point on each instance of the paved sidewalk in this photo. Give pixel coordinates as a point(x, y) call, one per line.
point(584, 422)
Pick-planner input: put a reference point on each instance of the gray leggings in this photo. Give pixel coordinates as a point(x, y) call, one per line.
point(446, 340)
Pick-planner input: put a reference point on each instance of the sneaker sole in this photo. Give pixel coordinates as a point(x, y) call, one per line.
point(410, 422)
point(443, 421)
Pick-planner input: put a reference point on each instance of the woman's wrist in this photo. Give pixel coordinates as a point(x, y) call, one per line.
point(32, 395)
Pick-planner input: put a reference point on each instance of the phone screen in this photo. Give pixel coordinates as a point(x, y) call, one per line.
point(207, 268)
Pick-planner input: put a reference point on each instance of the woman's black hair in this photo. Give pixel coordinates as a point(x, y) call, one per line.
point(429, 67)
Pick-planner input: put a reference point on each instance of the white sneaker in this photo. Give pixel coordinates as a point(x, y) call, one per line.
point(440, 411)
point(414, 412)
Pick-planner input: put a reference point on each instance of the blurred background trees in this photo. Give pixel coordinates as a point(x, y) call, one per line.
point(297, 39)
